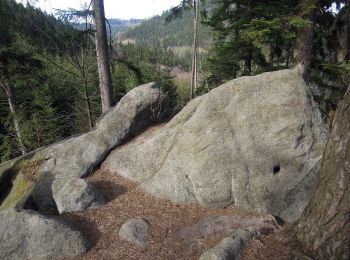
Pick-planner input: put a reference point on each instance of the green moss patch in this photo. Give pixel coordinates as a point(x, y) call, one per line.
point(21, 189)
point(23, 177)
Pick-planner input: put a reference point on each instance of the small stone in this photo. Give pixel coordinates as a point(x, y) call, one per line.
point(135, 231)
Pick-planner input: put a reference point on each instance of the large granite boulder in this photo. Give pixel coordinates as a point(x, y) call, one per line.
point(75, 194)
point(254, 141)
point(29, 235)
point(78, 156)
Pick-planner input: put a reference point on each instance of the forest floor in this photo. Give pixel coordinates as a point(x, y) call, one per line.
point(169, 222)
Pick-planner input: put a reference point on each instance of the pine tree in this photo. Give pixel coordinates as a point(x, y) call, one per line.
point(43, 99)
point(250, 37)
point(102, 56)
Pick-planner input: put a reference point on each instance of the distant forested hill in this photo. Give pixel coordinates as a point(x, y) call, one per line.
point(117, 25)
point(176, 33)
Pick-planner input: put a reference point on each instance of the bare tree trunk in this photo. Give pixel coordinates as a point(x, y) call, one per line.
point(248, 64)
point(289, 52)
point(87, 104)
point(11, 98)
point(248, 58)
point(272, 55)
point(305, 38)
point(324, 228)
point(194, 78)
point(83, 72)
point(104, 71)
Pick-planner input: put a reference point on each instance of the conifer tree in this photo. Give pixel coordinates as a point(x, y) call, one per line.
point(102, 53)
point(267, 35)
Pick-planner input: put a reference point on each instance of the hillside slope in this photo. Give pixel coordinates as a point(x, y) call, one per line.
point(120, 25)
point(176, 33)
point(116, 25)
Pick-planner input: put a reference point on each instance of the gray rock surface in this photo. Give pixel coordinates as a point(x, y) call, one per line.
point(75, 194)
point(78, 156)
point(254, 141)
point(29, 235)
point(231, 247)
point(135, 231)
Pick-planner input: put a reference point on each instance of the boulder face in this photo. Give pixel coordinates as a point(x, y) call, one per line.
point(254, 141)
point(75, 194)
point(78, 156)
point(29, 235)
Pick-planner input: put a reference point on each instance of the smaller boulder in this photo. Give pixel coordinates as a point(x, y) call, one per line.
point(135, 231)
point(75, 194)
point(29, 235)
point(78, 156)
point(231, 247)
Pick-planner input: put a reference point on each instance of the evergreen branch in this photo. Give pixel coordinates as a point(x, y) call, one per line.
point(62, 68)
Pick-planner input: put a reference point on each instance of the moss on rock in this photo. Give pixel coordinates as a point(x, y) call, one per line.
point(21, 189)
point(19, 179)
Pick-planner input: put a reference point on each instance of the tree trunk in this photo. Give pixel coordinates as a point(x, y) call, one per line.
point(87, 104)
point(248, 64)
point(248, 58)
point(305, 38)
point(341, 28)
point(11, 98)
point(289, 52)
point(325, 225)
point(104, 71)
point(272, 55)
point(341, 37)
point(194, 78)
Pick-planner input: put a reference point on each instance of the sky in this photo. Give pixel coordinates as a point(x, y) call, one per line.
point(122, 9)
